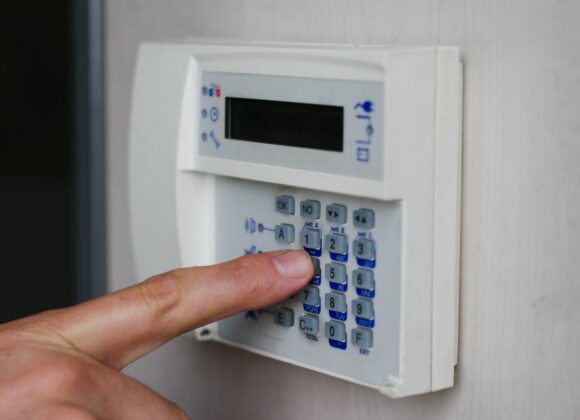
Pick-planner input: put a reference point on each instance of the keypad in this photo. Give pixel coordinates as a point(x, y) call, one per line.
point(284, 233)
point(342, 307)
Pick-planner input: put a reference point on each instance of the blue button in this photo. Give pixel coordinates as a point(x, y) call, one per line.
point(214, 114)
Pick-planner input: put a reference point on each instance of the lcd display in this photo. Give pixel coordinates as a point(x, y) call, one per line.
point(285, 123)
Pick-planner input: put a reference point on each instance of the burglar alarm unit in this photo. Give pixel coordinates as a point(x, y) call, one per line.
point(352, 153)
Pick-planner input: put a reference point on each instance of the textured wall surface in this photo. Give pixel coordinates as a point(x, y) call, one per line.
point(520, 291)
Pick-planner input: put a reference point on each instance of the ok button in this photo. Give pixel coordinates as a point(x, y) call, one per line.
point(285, 204)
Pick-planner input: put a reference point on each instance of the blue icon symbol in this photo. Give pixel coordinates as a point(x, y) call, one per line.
point(250, 225)
point(362, 154)
point(210, 91)
point(215, 140)
point(204, 113)
point(214, 114)
point(366, 106)
point(204, 91)
point(251, 250)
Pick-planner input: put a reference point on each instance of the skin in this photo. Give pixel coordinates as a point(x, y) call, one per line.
point(66, 363)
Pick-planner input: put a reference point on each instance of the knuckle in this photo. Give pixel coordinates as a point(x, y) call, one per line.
point(161, 294)
point(63, 376)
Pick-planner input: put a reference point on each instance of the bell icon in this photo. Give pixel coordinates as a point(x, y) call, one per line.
point(250, 225)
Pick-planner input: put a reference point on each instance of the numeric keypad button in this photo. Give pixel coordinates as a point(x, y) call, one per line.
point(310, 238)
point(310, 298)
point(364, 249)
point(335, 302)
point(364, 282)
point(337, 243)
point(335, 331)
point(364, 312)
point(335, 273)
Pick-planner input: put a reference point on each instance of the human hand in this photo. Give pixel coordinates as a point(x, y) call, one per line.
point(65, 364)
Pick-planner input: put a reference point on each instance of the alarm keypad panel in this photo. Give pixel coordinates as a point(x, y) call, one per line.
point(347, 318)
point(350, 153)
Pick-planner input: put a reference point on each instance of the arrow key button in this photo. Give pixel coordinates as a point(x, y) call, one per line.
point(336, 214)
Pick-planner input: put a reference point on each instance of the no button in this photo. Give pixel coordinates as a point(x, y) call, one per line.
point(310, 209)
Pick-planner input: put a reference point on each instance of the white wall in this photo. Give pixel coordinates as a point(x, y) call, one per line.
point(520, 297)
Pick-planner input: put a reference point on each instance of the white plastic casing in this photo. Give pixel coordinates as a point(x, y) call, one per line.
point(178, 185)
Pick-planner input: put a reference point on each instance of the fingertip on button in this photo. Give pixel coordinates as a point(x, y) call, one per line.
point(294, 264)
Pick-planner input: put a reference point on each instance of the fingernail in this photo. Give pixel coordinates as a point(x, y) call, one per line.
point(293, 264)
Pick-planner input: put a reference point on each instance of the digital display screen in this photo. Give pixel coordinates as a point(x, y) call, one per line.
point(285, 123)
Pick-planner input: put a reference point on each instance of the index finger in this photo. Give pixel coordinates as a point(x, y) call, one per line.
point(121, 327)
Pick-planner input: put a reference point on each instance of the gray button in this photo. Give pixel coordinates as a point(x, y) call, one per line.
point(335, 273)
point(285, 204)
point(337, 243)
point(284, 233)
point(336, 213)
point(310, 209)
point(335, 302)
point(310, 296)
point(364, 279)
point(364, 248)
point(335, 330)
point(284, 317)
point(308, 324)
point(363, 308)
point(310, 238)
point(362, 338)
point(316, 265)
point(364, 218)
